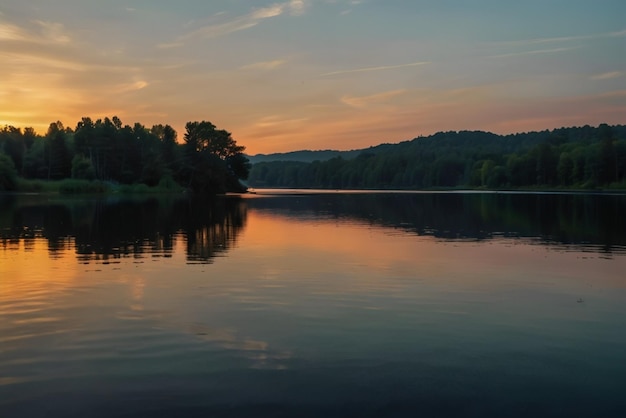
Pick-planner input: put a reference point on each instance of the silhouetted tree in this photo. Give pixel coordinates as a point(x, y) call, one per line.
point(8, 173)
point(12, 143)
point(59, 160)
point(213, 162)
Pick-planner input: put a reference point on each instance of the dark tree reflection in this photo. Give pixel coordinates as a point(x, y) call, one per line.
point(594, 221)
point(212, 227)
point(114, 228)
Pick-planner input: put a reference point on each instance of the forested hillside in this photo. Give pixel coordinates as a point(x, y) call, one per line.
point(208, 160)
point(580, 157)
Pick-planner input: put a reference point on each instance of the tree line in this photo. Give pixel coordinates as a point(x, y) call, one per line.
point(577, 157)
point(207, 161)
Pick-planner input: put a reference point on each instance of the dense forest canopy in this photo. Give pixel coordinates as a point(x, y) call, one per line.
point(207, 161)
point(579, 157)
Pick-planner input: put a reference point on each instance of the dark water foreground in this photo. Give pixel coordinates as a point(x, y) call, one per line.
point(317, 304)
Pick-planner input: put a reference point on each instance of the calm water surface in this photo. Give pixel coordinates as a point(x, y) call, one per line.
point(314, 304)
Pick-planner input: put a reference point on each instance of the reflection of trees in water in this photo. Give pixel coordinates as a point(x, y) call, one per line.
point(206, 240)
point(125, 228)
point(109, 229)
point(578, 219)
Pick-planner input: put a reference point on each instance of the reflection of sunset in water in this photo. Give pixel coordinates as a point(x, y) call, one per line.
point(285, 243)
point(267, 299)
point(27, 266)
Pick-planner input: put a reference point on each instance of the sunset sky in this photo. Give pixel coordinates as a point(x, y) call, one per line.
point(315, 74)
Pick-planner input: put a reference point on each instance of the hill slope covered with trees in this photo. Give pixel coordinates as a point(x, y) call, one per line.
point(578, 157)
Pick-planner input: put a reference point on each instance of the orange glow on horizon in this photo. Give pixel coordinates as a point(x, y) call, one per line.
point(345, 127)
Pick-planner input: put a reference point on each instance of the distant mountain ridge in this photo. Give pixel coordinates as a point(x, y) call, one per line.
point(308, 156)
point(304, 156)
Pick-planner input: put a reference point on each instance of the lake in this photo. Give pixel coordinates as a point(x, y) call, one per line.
point(314, 304)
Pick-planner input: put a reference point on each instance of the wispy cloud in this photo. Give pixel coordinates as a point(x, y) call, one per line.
point(277, 120)
point(264, 65)
point(363, 101)
point(48, 33)
point(561, 39)
point(28, 59)
point(267, 12)
point(616, 93)
point(534, 52)
point(134, 86)
point(609, 75)
point(350, 4)
point(379, 68)
point(9, 32)
point(298, 7)
point(53, 32)
point(534, 46)
point(250, 20)
point(36, 60)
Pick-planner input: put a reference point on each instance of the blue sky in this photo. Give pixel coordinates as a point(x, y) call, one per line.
point(315, 74)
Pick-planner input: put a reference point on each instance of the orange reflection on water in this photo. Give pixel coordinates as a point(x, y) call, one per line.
point(29, 266)
point(282, 243)
point(349, 241)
